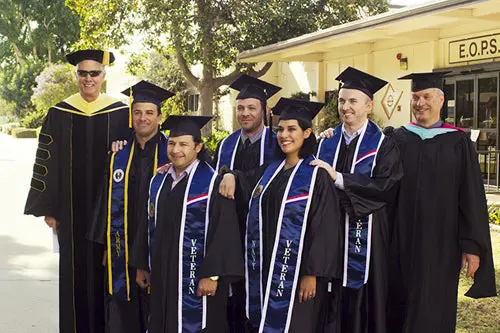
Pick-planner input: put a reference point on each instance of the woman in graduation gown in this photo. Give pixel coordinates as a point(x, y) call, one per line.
point(293, 241)
point(183, 297)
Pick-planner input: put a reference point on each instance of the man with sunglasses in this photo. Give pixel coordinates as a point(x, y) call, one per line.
point(70, 161)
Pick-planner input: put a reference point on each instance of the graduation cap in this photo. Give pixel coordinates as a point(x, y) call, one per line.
point(421, 81)
point(104, 57)
point(353, 78)
point(288, 108)
point(146, 92)
point(251, 87)
point(185, 125)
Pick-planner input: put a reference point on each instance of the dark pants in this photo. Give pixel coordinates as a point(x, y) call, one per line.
point(236, 308)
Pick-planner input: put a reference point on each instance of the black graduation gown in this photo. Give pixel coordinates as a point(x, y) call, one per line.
point(70, 162)
point(441, 213)
point(322, 252)
point(224, 258)
point(131, 316)
point(364, 310)
point(247, 161)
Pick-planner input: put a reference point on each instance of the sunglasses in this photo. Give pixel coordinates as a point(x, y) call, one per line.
point(83, 73)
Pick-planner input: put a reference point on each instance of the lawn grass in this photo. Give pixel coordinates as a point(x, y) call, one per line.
point(480, 315)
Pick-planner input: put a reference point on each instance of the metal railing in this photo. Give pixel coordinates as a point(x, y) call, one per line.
point(488, 163)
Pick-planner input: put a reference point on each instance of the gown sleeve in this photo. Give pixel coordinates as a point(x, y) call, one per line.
point(473, 222)
point(322, 253)
point(224, 256)
point(43, 197)
point(366, 194)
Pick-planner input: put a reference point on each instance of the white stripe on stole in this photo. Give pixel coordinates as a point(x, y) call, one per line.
point(247, 305)
point(181, 244)
point(207, 221)
point(233, 156)
point(370, 217)
point(263, 145)
point(301, 247)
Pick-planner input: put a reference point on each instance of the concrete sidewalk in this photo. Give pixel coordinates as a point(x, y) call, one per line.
point(28, 266)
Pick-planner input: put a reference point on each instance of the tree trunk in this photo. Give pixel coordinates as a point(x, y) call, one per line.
point(206, 105)
point(49, 53)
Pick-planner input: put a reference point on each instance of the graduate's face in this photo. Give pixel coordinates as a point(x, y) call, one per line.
point(182, 151)
point(90, 86)
point(426, 106)
point(354, 107)
point(291, 136)
point(249, 114)
point(145, 119)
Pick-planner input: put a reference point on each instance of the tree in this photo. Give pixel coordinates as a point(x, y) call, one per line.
point(162, 70)
point(17, 83)
point(40, 30)
point(212, 33)
point(54, 84)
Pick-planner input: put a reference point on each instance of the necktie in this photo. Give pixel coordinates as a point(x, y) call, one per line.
point(246, 144)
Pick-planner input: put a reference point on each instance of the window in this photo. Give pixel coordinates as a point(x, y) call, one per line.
point(193, 102)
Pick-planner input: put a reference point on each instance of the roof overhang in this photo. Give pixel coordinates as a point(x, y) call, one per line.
point(409, 25)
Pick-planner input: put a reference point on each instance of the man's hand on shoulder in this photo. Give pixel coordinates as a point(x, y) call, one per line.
point(118, 145)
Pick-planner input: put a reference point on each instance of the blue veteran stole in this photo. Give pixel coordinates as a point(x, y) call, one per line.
point(117, 216)
point(229, 146)
point(192, 242)
point(357, 244)
point(271, 309)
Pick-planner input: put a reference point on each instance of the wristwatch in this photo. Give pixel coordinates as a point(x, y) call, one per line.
point(214, 278)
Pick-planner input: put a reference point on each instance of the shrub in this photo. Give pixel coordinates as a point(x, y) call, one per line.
point(494, 214)
point(22, 133)
point(213, 140)
point(34, 119)
point(7, 128)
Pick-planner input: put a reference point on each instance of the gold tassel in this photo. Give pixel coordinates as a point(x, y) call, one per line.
point(105, 58)
point(131, 100)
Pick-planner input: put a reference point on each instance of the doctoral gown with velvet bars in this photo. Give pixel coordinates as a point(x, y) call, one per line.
point(441, 213)
point(70, 161)
point(364, 310)
point(224, 258)
point(322, 252)
point(128, 316)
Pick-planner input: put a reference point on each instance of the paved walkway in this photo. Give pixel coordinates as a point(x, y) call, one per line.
point(28, 266)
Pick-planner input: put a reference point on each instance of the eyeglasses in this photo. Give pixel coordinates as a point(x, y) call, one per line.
point(83, 73)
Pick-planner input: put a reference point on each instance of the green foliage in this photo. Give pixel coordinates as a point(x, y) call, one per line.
point(34, 119)
point(6, 109)
point(17, 83)
point(212, 33)
point(213, 140)
point(302, 95)
point(163, 71)
point(494, 214)
point(24, 133)
point(55, 83)
point(41, 30)
point(329, 117)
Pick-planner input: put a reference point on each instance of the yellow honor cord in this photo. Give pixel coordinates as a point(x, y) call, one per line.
point(105, 58)
point(155, 165)
point(131, 101)
point(125, 217)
